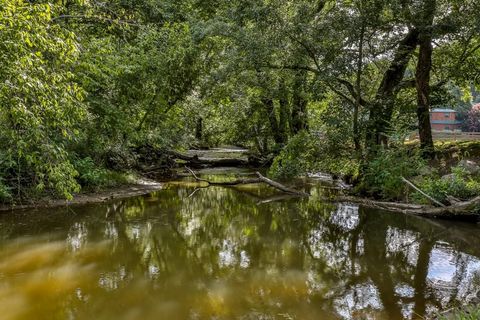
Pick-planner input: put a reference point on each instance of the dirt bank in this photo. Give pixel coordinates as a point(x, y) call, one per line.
point(141, 187)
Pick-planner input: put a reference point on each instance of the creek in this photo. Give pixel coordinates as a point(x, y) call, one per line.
point(185, 252)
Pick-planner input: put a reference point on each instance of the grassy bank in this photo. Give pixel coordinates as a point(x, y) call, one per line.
point(452, 175)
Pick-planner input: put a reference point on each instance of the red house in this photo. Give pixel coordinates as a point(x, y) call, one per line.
point(444, 120)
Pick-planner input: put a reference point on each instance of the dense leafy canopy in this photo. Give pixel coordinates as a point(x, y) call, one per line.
point(92, 80)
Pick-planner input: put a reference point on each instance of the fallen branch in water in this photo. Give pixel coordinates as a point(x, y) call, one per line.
point(280, 197)
point(280, 187)
point(223, 183)
point(260, 179)
point(464, 209)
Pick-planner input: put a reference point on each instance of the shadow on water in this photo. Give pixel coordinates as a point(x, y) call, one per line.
point(222, 253)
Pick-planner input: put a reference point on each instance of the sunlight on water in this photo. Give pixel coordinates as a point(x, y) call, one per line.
point(224, 253)
point(36, 277)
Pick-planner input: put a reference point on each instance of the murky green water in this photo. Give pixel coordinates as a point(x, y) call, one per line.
point(226, 253)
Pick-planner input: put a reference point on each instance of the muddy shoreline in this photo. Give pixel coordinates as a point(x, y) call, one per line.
point(141, 187)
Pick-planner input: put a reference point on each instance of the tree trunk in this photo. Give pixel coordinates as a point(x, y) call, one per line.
point(284, 113)
point(356, 108)
point(381, 109)
point(299, 118)
point(199, 129)
point(272, 119)
point(422, 77)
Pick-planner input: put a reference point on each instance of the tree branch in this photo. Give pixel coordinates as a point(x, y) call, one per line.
point(291, 67)
point(260, 179)
point(351, 90)
point(85, 18)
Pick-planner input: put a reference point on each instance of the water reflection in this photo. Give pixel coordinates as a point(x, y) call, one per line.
point(223, 253)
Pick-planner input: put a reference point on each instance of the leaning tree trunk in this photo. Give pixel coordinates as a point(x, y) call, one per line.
point(381, 109)
point(284, 113)
point(299, 118)
point(199, 129)
point(269, 106)
point(422, 76)
point(358, 87)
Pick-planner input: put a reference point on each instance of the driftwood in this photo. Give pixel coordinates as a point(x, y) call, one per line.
point(465, 209)
point(280, 187)
point(260, 179)
point(196, 162)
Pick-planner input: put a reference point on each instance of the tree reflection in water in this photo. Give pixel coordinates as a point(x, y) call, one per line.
point(220, 254)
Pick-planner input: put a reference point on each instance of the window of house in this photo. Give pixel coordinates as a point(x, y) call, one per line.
point(447, 128)
point(447, 115)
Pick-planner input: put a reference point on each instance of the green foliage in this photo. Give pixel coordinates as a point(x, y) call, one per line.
point(337, 155)
point(383, 174)
point(99, 79)
point(341, 166)
point(468, 313)
point(134, 87)
point(93, 177)
point(5, 193)
point(296, 158)
point(39, 97)
point(459, 184)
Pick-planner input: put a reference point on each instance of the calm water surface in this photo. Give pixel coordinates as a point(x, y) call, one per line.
point(232, 253)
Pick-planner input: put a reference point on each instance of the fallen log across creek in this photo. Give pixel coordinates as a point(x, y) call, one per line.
point(464, 209)
point(198, 162)
point(260, 179)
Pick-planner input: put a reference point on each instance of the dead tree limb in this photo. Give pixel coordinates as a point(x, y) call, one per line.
point(197, 162)
point(260, 179)
point(278, 198)
point(280, 187)
point(423, 193)
point(464, 209)
point(223, 183)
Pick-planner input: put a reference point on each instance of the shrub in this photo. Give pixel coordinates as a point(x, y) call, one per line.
point(41, 102)
point(296, 158)
point(93, 176)
point(347, 168)
point(383, 175)
point(5, 195)
point(459, 185)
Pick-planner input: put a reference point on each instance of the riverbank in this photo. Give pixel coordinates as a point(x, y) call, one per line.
point(137, 188)
point(142, 186)
point(432, 178)
point(178, 244)
point(99, 184)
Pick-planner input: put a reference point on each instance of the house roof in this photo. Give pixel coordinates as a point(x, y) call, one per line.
point(446, 122)
point(443, 110)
